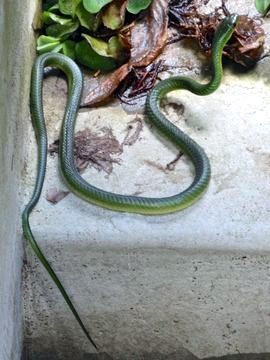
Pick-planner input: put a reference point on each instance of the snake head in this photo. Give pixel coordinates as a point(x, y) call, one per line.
point(232, 19)
point(228, 23)
point(225, 29)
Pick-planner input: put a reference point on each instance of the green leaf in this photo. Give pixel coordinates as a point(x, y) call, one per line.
point(114, 15)
point(68, 48)
point(47, 44)
point(263, 6)
point(135, 6)
point(68, 7)
point(49, 18)
point(88, 57)
point(94, 6)
point(113, 48)
point(99, 46)
point(61, 31)
point(116, 49)
point(87, 20)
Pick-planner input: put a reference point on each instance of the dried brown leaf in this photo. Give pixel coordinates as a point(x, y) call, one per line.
point(106, 86)
point(54, 195)
point(149, 36)
point(248, 44)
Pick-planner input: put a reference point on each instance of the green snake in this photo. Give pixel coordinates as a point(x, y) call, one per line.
point(118, 202)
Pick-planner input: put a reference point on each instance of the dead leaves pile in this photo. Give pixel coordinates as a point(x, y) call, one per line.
point(147, 36)
point(246, 45)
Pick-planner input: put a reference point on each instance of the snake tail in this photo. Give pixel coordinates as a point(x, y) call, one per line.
point(75, 89)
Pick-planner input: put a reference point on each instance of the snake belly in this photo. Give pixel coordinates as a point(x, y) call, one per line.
point(118, 202)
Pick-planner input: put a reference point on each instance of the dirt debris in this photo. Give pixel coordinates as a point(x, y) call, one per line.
point(96, 149)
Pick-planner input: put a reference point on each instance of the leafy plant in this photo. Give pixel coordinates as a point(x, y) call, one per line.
point(263, 6)
point(88, 30)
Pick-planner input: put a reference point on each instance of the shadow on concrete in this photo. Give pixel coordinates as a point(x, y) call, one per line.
point(263, 356)
point(147, 356)
point(104, 356)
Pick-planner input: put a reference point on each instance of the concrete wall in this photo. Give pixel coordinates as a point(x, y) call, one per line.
point(15, 64)
point(151, 287)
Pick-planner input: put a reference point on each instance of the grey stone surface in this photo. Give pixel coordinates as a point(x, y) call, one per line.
point(15, 64)
point(195, 280)
point(154, 356)
point(184, 355)
point(242, 357)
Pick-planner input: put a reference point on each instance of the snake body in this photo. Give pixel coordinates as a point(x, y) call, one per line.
point(78, 185)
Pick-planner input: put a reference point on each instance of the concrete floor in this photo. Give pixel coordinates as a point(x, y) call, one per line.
point(174, 356)
point(152, 287)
